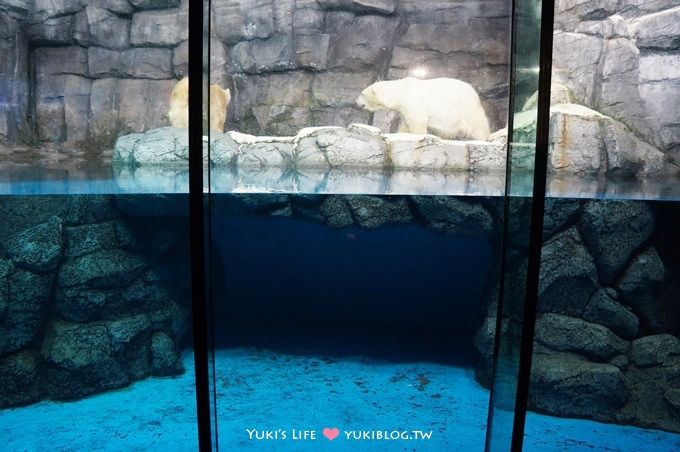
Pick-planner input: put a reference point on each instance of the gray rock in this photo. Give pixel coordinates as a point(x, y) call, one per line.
point(653, 374)
point(615, 26)
point(570, 13)
point(166, 27)
point(330, 147)
point(224, 148)
point(18, 7)
point(336, 212)
point(43, 9)
point(361, 6)
point(88, 238)
point(563, 384)
point(372, 212)
point(264, 154)
point(339, 89)
point(659, 30)
point(21, 380)
point(134, 116)
point(655, 350)
point(105, 28)
point(38, 249)
point(604, 309)
point(487, 36)
point(559, 213)
point(24, 303)
point(569, 334)
point(122, 7)
point(583, 140)
point(659, 76)
point(613, 230)
point(165, 360)
point(66, 97)
point(55, 30)
point(311, 51)
point(238, 21)
point(101, 269)
point(568, 275)
point(452, 216)
point(637, 9)
point(80, 360)
point(254, 57)
point(640, 286)
point(154, 4)
point(617, 89)
point(361, 45)
point(426, 152)
point(672, 396)
point(575, 57)
point(54, 61)
point(147, 62)
point(166, 145)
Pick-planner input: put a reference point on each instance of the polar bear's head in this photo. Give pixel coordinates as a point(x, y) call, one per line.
point(372, 98)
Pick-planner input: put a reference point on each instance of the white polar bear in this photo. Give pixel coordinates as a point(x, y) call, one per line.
point(450, 108)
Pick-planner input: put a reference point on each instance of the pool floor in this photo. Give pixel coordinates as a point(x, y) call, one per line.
point(269, 401)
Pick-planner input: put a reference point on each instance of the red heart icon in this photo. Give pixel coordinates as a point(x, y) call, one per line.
point(331, 433)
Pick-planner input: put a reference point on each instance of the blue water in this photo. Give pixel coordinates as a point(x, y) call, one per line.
point(265, 390)
point(301, 350)
point(37, 179)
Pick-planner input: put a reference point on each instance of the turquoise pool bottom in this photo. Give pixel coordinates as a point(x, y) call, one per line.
point(260, 391)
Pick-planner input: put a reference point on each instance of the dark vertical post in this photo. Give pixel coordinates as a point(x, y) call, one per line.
point(196, 220)
point(536, 233)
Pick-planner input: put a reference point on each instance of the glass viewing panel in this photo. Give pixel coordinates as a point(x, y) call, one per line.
point(606, 367)
point(356, 203)
point(95, 347)
point(356, 241)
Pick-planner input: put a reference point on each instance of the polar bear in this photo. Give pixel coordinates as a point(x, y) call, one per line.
point(450, 108)
point(179, 105)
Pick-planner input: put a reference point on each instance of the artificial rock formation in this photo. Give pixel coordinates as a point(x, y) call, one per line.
point(604, 348)
point(89, 298)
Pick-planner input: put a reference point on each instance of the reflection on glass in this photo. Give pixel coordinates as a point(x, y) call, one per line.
point(94, 296)
point(355, 218)
point(609, 280)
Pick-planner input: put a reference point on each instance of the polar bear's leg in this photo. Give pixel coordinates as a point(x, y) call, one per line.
point(415, 123)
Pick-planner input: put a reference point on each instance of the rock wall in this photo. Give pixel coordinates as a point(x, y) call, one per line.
point(606, 343)
point(94, 292)
point(89, 296)
point(622, 59)
point(80, 70)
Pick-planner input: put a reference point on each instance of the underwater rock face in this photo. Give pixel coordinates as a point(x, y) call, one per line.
point(89, 299)
point(603, 308)
point(613, 230)
point(606, 345)
point(641, 285)
point(575, 387)
point(568, 275)
point(570, 334)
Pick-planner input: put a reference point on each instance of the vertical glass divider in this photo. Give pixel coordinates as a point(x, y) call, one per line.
point(196, 218)
point(536, 231)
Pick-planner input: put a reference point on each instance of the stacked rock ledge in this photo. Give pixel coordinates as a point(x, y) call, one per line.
point(357, 146)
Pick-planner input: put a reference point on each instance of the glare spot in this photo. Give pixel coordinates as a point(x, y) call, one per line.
point(419, 72)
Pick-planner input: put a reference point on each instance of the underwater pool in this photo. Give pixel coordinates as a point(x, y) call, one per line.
point(101, 178)
point(355, 311)
point(123, 420)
